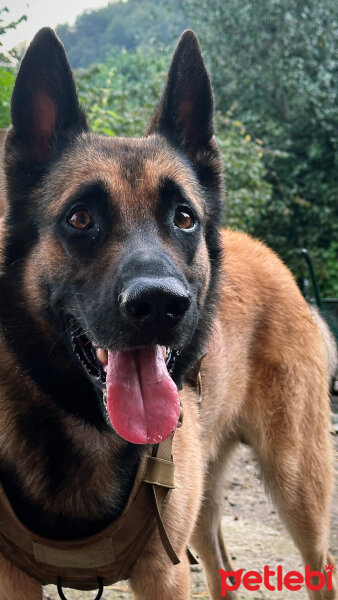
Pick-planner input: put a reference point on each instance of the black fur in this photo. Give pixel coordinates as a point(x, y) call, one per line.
point(35, 150)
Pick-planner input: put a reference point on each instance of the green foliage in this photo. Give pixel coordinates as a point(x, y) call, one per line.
point(277, 62)
point(119, 95)
point(6, 86)
point(7, 76)
point(121, 24)
point(328, 258)
point(248, 195)
point(4, 27)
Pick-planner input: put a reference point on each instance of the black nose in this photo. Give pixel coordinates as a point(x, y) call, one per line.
point(162, 301)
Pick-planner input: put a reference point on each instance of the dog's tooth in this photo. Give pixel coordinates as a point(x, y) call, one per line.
point(168, 355)
point(102, 356)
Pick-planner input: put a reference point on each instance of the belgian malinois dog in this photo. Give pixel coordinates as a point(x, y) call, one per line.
point(117, 289)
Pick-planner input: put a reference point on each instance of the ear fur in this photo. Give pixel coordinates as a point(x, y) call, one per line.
point(185, 113)
point(186, 109)
point(44, 101)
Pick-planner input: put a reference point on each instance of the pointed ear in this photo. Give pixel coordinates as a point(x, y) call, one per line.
point(44, 100)
point(185, 113)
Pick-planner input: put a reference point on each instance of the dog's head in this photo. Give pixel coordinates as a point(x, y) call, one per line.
point(112, 249)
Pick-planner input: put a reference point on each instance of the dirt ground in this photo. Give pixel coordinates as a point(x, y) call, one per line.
point(252, 529)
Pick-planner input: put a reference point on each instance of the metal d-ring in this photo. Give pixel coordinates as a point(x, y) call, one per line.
point(63, 597)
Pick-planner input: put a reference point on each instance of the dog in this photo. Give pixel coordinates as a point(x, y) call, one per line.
point(118, 292)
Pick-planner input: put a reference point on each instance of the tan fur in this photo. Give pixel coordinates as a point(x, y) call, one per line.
point(16, 585)
point(269, 388)
point(90, 162)
point(264, 382)
point(330, 344)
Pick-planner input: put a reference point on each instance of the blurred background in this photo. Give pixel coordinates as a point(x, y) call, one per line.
point(274, 66)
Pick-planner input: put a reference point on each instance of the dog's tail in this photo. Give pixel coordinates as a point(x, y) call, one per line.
point(329, 342)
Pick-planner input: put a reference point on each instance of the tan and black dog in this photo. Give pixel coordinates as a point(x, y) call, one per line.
point(116, 287)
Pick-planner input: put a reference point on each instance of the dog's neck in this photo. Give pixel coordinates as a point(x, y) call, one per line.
point(50, 458)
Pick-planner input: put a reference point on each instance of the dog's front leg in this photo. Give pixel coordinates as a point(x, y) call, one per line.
point(16, 585)
point(158, 578)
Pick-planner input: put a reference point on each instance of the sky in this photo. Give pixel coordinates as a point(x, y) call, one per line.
point(41, 13)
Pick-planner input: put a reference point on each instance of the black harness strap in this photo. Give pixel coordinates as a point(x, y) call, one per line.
point(97, 597)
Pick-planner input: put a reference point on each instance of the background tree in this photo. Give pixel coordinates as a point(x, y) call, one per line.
point(276, 62)
point(120, 25)
point(7, 59)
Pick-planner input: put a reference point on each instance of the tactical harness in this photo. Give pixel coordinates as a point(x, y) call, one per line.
point(105, 557)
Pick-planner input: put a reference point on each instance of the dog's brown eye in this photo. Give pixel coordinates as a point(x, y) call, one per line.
point(183, 219)
point(81, 219)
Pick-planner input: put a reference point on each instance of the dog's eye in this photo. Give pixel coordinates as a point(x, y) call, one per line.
point(81, 219)
point(183, 219)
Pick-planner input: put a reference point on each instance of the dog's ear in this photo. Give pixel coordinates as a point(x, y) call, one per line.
point(44, 101)
point(185, 113)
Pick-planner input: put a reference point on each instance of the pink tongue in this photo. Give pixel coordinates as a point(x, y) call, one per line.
point(142, 399)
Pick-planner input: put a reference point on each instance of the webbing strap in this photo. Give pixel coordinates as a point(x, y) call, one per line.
point(165, 538)
point(162, 531)
point(160, 472)
point(164, 448)
point(161, 469)
point(193, 560)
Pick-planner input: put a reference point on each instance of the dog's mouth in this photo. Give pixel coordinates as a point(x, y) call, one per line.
point(139, 398)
